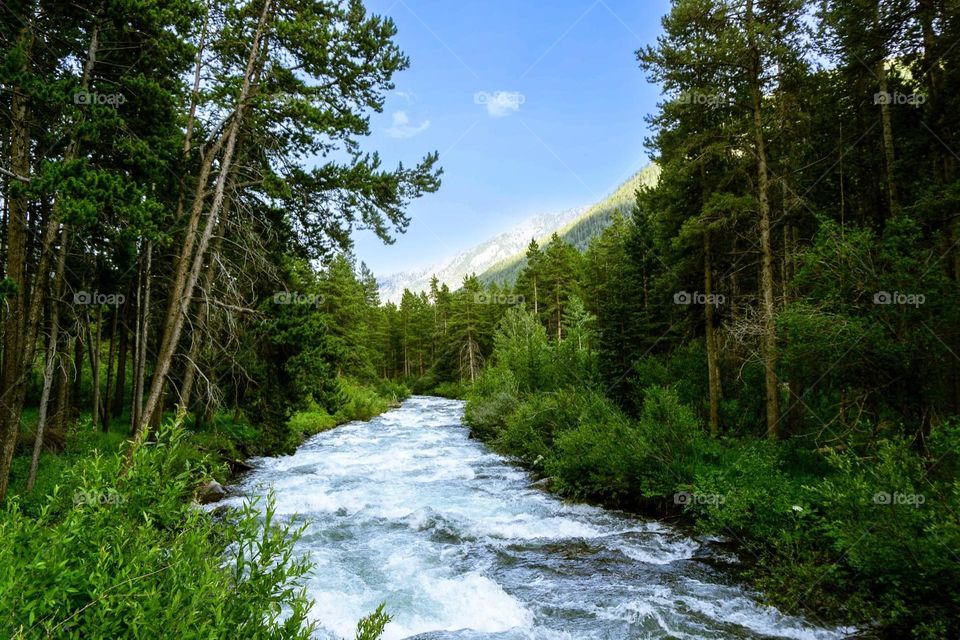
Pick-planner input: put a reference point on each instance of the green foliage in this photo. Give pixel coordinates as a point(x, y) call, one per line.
point(611, 458)
point(869, 536)
point(361, 403)
point(456, 390)
point(491, 399)
point(521, 346)
point(126, 555)
point(371, 627)
point(891, 522)
point(599, 459)
point(758, 498)
point(532, 428)
point(308, 423)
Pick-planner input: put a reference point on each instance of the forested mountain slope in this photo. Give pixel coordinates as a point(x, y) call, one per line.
point(584, 228)
point(479, 258)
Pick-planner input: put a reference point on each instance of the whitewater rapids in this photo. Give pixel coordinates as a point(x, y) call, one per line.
point(406, 509)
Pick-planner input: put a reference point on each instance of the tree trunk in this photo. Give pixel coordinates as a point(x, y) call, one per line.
point(18, 362)
point(143, 324)
point(121, 377)
point(62, 410)
point(713, 368)
point(190, 370)
point(766, 263)
point(77, 392)
point(111, 352)
point(183, 289)
point(15, 270)
point(888, 152)
point(93, 345)
point(51, 359)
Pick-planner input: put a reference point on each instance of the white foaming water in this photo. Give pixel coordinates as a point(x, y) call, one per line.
point(406, 510)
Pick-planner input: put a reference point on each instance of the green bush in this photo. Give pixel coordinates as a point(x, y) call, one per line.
point(391, 390)
point(893, 521)
point(360, 402)
point(756, 498)
point(872, 538)
point(491, 399)
point(611, 458)
point(114, 555)
point(311, 422)
point(456, 390)
point(530, 429)
point(372, 626)
point(521, 346)
point(524, 434)
point(598, 460)
point(673, 440)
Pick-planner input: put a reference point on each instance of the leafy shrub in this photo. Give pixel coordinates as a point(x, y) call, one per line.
point(114, 555)
point(457, 390)
point(392, 390)
point(608, 457)
point(372, 626)
point(525, 435)
point(491, 399)
point(598, 460)
point(308, 423)
point(871, 538)
point(673, 442)
point(531, 428)
point(360, 402)
point(756, 498)
point(893, 524)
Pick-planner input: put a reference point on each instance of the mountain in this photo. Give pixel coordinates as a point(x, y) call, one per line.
point(582, 229)
point(478, 259)
point(501, 258)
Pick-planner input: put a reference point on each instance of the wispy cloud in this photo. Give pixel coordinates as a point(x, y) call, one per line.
point(401, 127)
point(500, 103)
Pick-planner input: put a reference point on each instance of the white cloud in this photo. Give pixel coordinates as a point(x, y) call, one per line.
point(408, 96)
point(500, 103)
point(402, 128)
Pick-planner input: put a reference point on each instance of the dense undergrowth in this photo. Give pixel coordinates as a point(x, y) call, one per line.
point(93, 552)
point(866, 534)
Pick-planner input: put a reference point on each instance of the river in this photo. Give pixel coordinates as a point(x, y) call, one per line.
point(406, 509)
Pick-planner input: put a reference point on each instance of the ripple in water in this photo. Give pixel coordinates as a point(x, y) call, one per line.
point(406, 510)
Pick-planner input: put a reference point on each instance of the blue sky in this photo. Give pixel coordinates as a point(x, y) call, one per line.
point(534, 107)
